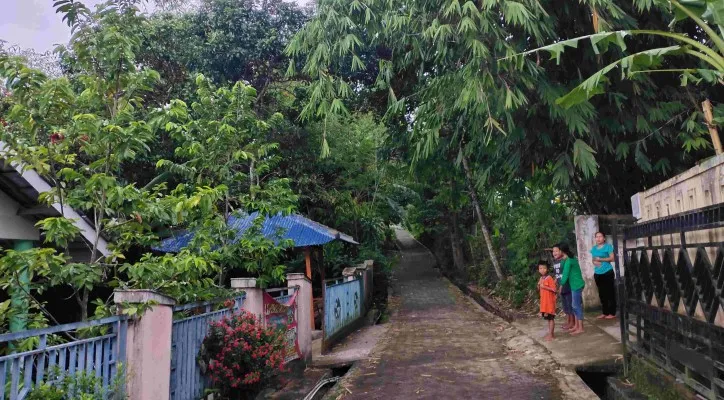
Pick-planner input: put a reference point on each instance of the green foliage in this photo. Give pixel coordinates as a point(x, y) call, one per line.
point(82, 131)
point(436, 114)
point(227, 40)
point(356, 183)
point(79, 386)
point(226, 144)
point(651, 60)
point(34, 319)
point(532, 224)
point(78, 133)
point(649, 382)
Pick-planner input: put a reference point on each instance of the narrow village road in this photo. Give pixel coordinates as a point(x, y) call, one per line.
point(439, 345)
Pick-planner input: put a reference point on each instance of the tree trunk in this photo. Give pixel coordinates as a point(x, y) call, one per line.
point(457, 250)
point(251, 179)
point(481, 220)
point(83, 303)
point(709, 117)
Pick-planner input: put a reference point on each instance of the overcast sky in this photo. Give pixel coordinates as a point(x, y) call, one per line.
point(34, 23)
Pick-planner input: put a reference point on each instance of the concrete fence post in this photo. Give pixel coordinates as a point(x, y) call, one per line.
point(586, 227)
point(254, 299)
point(304, 313)
point(148, 344)
point(367, 272)
point(349, 273)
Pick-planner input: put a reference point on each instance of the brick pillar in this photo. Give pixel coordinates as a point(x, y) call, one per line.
point(304, 310)
point(148, 345)
point(254, 299)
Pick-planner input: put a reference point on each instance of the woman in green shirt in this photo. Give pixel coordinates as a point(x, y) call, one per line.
point(574, 278)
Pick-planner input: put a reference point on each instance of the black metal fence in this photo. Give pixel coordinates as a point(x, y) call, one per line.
point(674, 300)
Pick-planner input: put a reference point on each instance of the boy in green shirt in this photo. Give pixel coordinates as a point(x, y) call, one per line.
point(573, 276)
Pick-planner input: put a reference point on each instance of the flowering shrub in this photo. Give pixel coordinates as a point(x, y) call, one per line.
point(240, 355)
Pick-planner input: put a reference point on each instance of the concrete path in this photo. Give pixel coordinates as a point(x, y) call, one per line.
point(440, 345)
point(599, 344)
point(356, 346)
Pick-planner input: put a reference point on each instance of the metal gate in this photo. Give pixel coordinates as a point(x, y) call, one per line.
point(187, 334)
point(97, 353)
point(674, 297)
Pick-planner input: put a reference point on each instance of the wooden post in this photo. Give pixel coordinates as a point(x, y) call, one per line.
point(709, 117)
point(308, 262)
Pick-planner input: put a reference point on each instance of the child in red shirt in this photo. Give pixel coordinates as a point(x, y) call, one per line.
point(547, 288)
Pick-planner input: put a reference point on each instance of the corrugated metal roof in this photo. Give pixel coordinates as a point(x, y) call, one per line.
point(302, 231)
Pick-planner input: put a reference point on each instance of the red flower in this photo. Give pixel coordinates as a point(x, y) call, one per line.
point(56, 137)
point(245, 353)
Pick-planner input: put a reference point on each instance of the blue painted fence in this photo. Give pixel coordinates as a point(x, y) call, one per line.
point(99, 355)
point(187, 334)
point(343, 304)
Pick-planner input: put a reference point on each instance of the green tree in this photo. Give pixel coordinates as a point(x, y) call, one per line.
point(707, 45)
point(221, 141)
point(226, 40)
point(80, 132)
point(79, 140)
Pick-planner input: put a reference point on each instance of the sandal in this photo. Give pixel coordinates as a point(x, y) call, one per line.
point(602, 316)
point(610, 317)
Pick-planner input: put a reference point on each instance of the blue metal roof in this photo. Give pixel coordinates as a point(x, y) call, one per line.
point(302, 231)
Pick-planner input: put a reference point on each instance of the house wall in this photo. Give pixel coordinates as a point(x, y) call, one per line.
point(700, 186)
point(13, 226)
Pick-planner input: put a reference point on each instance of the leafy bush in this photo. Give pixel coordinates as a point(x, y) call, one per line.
point(240, 355)
point(531, 225)
point(79, 386)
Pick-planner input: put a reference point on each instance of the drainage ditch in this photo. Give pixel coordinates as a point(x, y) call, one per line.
point(595, 376)
point(327, 382)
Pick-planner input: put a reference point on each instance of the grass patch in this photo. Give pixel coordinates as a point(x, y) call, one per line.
point(654, 383)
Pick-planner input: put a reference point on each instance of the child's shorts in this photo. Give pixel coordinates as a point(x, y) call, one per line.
point(548, 317)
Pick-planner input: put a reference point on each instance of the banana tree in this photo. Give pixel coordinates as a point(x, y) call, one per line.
point(708, 49)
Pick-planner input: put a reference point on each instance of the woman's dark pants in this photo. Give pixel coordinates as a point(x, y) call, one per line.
point(607, 292)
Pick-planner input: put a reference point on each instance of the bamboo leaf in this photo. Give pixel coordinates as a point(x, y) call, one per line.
point(622, 151)
point(561, 173)
point(516, 13)
point(584, 159)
